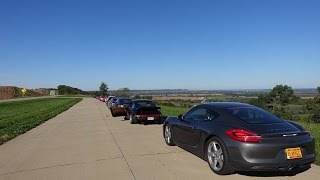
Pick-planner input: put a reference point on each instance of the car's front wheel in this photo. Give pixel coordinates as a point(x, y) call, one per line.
point(168, 135)
point(217, 157)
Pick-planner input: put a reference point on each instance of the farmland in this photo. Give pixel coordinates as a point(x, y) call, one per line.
point(20, 116)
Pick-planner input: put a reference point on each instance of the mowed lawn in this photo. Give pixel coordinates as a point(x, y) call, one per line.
point(313, 128)
point(172, 111)
point(20, 116)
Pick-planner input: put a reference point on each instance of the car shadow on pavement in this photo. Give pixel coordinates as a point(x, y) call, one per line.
point(274, 173)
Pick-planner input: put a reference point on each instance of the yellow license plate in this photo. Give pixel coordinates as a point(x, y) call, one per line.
point(293, 153)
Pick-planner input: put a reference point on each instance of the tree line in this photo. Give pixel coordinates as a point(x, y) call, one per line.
point(68, 90)
point(281, 96)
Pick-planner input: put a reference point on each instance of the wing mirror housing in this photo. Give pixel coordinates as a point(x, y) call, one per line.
point(180, 117)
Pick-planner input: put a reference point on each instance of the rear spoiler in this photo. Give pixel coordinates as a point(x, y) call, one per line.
point(148, 108)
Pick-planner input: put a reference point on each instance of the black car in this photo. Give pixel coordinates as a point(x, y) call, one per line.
point(240, 137)
point(144, 111)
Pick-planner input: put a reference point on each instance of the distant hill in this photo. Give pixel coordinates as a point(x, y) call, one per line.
point(68, 90)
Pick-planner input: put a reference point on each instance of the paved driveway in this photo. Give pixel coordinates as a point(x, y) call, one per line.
point(85, 142)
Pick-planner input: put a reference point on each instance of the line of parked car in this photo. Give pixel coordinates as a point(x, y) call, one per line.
point(136, 110)
point(229, 136)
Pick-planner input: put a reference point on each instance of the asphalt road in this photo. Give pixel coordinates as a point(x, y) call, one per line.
point(85, 142)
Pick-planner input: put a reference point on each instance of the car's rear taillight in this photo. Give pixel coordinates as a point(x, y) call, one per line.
point(305, 133)
point(243, 135)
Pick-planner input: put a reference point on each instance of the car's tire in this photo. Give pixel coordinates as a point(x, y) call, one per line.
point(168, 135)
point(112, 113)
point(217, 157)
point(132, 119)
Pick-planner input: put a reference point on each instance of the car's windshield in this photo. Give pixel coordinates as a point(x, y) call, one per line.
point(253, 115)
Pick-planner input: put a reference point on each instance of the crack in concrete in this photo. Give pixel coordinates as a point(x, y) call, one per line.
point(124, 157)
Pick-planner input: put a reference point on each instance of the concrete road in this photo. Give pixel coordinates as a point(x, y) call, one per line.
point(85, 142)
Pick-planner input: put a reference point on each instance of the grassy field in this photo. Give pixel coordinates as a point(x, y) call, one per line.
point(313, 128)
point(20, 116)
point(172, 111)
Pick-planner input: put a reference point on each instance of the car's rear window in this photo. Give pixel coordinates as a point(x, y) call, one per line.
point(253, 115)
point(145, 104)
point(125, 101)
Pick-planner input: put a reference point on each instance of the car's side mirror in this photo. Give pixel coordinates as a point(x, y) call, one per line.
point(180, 117)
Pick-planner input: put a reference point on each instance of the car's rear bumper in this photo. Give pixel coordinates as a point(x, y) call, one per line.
point(284, 166)
point(148, 118)
point(270, 155)
point(119, 111)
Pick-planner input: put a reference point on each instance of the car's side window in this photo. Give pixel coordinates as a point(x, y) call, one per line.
point(196, 114)
point(211, 115)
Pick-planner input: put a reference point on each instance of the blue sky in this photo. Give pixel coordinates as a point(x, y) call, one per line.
point(155, 44)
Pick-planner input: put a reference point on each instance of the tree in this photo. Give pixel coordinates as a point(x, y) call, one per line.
point(262, 101)
point(65, 90)
point(122, 92)
point(103, 89)
point(96, 93)
point(280, 96)
point(313, 106)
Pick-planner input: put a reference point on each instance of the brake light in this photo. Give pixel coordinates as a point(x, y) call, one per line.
point(305, 133)
point(243, 135)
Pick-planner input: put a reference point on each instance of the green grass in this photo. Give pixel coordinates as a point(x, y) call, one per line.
point(20, 116)
point(172, 111)
point(313, 128)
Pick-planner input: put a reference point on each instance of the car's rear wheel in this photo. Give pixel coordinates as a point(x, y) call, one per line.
point(132, 119)
point(217, 157)
point(168, 135)
point(112, 113)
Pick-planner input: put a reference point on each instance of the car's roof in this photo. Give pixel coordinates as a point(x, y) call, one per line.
point(122, 98)
point(227, 105)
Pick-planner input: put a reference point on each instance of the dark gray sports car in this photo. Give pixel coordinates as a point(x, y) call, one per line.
point(240, 137)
